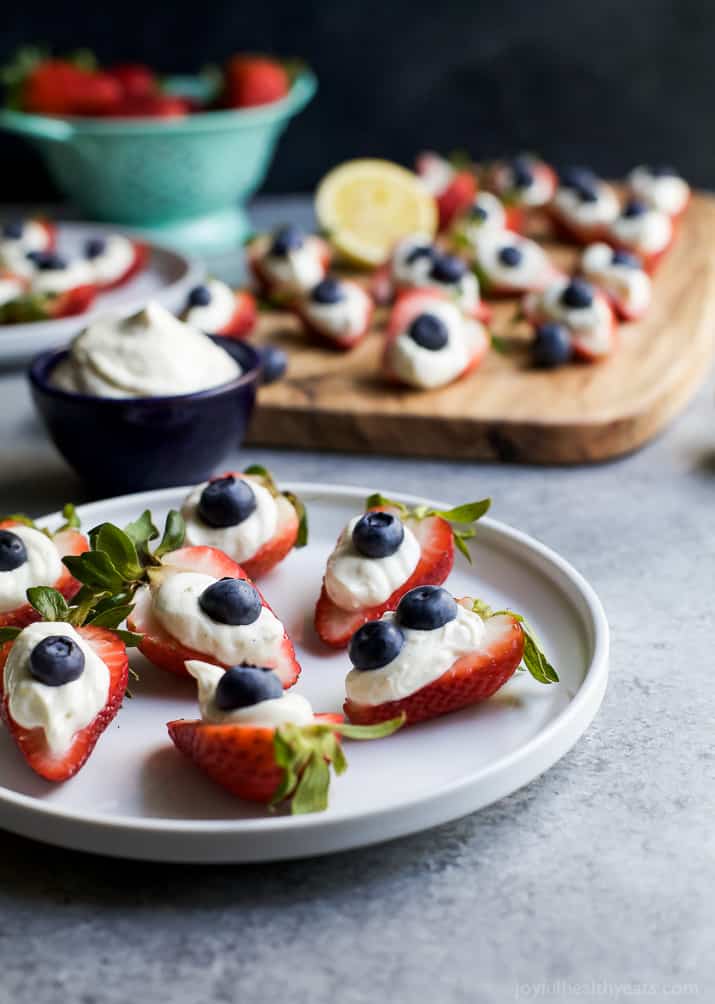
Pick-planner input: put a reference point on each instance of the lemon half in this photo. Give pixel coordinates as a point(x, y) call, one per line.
point(366, 206)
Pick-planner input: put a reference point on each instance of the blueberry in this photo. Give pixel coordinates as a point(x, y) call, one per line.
point(587, 193)
point(231, 601)
point(573, 177)
point(633, 208)
point(226, 501)
point(522, 172)
point(274, 363)
point(46, 260)
point(200, 296)
point(664, 171)
point(429, 332)
point(447, 268)
point(12, 551)
point(577, 294)
point(94, 247)
point(478, 212)
point(620, 257)
point(285, 239)
point(13, 230)
point(426, 608)
point(421, 251)
point(378, 534)
point(375, 644)
point(510, 256)
point(56, 660)
point(329, 290)
point(243, 686)
point(552, 346)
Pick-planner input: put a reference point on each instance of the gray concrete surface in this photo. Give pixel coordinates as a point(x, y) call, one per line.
point(593, 883)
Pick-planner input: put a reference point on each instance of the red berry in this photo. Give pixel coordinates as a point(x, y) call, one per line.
point(254, 80)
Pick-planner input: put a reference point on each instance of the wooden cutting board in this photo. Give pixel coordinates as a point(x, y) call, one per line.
point(507, 410)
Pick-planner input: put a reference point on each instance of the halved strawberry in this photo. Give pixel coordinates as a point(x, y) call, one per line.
point(48, 306)
point(244, 316)
point(472, 678)
point(267, 285)
point(141, 256)
point(336, 626)
point(168, 653)
point(453, 189)
point(32, 742)
point(323, 333)
point(241, 758)
point(67, 542)
point(413, 302)
point(589, 346)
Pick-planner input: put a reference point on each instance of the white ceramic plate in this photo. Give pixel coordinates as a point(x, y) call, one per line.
point(168, 277)
point(138, 797)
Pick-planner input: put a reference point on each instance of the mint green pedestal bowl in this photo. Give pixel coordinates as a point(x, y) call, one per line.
point(180, 181)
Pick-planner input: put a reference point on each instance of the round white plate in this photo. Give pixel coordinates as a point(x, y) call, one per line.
point(138, 797)
point(168, 277)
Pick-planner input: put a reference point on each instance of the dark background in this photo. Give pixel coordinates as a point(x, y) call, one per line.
point(604, 83)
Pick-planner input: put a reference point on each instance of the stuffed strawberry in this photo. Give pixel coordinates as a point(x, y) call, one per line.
point(582, 309)
point(642, 231)
point(452, 187)
point(434, 655)
point(486, 212)
point(430, 342)
point(261, 744)
point(621, 276)
point(583, 206)
point(62, 681)
point(18, 236)
point(32, 557)
point(247, 517)
point(508, 264)
point(219, 310)
point(287, 263)
point(199, 604)
point(115, 259)
point(661, 187)
point(337, 312)
point(523, 183)
point(384, 553)
point(58, 288)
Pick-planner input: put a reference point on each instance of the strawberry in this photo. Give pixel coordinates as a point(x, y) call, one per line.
point(453, 189)
point(272, 765)
point(473, 677)
point(259, 250)
point(253, 80)
point(167, 652)
point(135, 79)
point(141, 256)
point(68, 541)
point(291, 530)
point(244, 317)
point(589, 344)
point(53, 87)
point(437, 538)
point(48, 306)
point(32, 742)
point(324, 332)
point(414, 302)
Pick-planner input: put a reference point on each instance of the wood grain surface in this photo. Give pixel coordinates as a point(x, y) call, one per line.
point(507, 410)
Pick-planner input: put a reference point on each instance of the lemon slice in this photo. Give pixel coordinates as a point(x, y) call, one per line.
point(366, 206)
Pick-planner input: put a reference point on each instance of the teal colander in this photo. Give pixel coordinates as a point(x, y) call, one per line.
point(180, 181)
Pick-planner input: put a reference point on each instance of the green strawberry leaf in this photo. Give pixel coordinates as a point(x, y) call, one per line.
point(9, 634)
point(119, 548)
point(258, 471)
point(500, 344)
point(140, 532)
point(469, 512)
point(112, 617)
point(19, 517)
point(302, 538)
point(71, 519)
point(174, 533)
point(95, 570)
point(534, 660)
point(130, 638)
point(377, 731)
point(49, 603)
point(376, 499)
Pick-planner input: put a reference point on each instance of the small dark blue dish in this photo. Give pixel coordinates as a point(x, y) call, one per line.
point(122, 445)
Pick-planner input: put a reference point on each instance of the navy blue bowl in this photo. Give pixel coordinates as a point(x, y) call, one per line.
point(123, 445)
